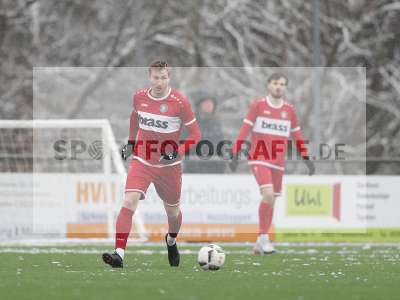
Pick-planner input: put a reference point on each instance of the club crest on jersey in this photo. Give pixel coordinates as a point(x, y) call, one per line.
point(163, 108)
point(284, 115)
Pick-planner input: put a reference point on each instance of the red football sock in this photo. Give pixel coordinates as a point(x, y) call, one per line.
point(265, 213)
point(123, 227)
point(174, 224)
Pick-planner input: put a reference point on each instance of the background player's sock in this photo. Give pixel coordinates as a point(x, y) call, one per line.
point(120, 252)
point(174, 225)
point(171, 240)
point(123, 228)
point(265, 212)
point(263, 237)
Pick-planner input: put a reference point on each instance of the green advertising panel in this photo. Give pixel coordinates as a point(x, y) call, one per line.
point(309, 199)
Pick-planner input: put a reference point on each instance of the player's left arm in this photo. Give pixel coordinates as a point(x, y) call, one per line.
point(194, 133)
point(188, 119)
point(298, 138)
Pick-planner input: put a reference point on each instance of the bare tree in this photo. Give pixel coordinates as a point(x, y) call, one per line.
point(234, 33)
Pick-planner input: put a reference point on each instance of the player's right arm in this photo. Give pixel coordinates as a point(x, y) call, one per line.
point(248, 123)
point(127, 150)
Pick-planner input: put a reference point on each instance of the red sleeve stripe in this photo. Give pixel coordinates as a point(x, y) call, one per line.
point(190, 122)
point(248, 122)
point(295, 129)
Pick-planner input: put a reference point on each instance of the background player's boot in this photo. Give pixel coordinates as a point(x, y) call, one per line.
point(263, 245)
point(173, 253)
point(113, 259)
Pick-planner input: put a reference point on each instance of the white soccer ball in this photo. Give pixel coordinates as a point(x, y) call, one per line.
point(211, 257)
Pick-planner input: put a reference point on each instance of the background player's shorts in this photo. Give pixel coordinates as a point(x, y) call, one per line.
point(266, 176)
point(166, 180)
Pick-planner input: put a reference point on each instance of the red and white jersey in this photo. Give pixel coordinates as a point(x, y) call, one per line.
point(271, 128)
point(157, 123)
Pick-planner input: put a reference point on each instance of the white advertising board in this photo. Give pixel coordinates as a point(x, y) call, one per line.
point(52, 203)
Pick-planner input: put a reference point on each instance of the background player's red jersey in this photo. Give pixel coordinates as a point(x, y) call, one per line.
point(157, 122)
point(271, 128)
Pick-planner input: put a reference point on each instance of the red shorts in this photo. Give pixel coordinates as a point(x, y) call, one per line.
point(266, 176)
point(166, 180)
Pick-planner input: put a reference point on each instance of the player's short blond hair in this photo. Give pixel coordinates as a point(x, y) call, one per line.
point(159, 65)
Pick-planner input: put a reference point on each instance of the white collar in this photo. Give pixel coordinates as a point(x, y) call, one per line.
point(274, 106)
point(158, 99)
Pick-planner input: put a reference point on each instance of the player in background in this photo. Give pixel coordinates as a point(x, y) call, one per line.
point(158, 115)
point(271, 121)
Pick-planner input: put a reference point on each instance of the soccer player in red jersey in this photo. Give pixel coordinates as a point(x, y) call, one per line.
point(271, 121)
point(157, 118)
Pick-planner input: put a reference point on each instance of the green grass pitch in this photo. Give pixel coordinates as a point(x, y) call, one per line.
point(312, 272)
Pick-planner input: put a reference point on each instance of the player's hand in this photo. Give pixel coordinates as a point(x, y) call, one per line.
point(310, 165)
point(168, 158)
point(233, 164)
point(127, 150)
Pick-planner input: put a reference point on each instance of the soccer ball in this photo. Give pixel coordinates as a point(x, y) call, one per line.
point(211, 257)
